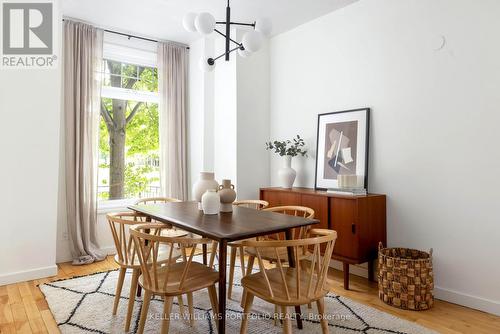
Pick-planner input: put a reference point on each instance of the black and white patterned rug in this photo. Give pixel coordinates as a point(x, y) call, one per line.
point(84, 305)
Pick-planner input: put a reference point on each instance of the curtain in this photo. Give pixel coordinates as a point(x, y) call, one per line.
point(82, 73)
point(172, 84)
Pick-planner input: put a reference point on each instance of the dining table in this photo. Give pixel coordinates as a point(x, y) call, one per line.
point(225, 227)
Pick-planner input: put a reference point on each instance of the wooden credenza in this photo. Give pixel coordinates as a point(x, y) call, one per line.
point(360, 221)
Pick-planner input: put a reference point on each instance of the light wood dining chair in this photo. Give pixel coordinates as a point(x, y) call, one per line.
point(174, 279)
point(298, 211)
point(126, 256)
point(236, 245)
point(269, 255)
point(286, 286)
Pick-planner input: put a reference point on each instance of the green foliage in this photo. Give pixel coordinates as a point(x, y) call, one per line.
point(137, 180)
point(292, 147)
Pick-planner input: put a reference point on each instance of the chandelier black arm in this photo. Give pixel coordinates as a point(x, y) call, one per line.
point(232, 40)
point(237, 23)
point(236, 48)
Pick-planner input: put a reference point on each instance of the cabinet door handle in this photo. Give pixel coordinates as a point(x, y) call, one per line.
point(353, 228)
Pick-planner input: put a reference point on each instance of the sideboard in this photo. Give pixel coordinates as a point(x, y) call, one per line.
point(360, 221)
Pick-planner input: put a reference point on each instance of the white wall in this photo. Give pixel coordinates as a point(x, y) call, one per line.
point(233, 125)
point(252, 123)
point(434, 126)
point(225, 111)
point(29, 141)
point(200, 113)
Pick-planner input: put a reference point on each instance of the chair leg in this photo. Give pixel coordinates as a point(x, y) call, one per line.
point(212, 293)
point(212, 255)
point(167, 307)
point(131, 300)
point(190, 308)
point(320, 303)
point(276, 313)
point(232, 263)
point(242, 260)
point(119, 286)
point(246, 312)
point(144, 311)
point(287, 323)
point(181, 304)
point(251, 260)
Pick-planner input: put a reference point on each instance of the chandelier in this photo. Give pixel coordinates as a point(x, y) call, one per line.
point(206, 24)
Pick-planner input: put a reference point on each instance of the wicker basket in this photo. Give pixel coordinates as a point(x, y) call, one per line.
point(405, 278)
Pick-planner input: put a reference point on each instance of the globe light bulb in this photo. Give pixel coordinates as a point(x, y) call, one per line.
point(252, 41)
point(264, 25)
point(205, 23)
point(188, 22)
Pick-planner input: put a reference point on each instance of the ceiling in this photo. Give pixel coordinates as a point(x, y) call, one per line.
point(162, 19)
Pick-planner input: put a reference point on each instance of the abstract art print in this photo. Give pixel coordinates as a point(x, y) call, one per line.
point(342, 146)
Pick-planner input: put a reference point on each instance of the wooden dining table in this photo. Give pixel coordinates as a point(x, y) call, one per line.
point(242, 223)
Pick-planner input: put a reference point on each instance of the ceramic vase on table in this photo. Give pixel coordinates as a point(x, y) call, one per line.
point(227, 196)
point(210, 202)
point(206, 181)
point(286, 174)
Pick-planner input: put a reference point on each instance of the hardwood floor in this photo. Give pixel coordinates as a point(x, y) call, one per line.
point(23, 308)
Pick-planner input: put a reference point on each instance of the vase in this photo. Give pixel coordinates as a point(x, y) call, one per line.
point(227, 196)
point(206, 181)
point(210, 202)
point(286, 174)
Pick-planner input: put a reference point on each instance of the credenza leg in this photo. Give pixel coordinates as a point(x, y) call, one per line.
point(371, 273)
point(346, 275)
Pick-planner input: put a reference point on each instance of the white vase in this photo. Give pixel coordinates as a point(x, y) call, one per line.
point(206, 181)
point(210, 202)
point(286, 174)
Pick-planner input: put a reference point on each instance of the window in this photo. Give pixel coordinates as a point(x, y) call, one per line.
point(129, 135)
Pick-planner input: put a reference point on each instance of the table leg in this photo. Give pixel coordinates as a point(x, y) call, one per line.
point(345, 268)
point(291, 262)
point(222, 285)
point(139, 288)
point(204, 254)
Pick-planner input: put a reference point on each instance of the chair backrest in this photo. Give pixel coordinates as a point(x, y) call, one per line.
point(252, 203)
point(154, 200)
point(147, 239)
point(119, 224)
point(314, 275)
point(294, 210)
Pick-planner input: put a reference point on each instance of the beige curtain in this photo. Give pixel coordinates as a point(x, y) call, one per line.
point(82, 62)
point(172, 82)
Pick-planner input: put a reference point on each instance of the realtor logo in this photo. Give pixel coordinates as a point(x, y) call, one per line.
point(27, 34)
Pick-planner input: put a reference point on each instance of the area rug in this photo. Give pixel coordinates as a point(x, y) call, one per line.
point(84, 304)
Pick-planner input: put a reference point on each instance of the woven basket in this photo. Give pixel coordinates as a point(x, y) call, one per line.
point(405, 278)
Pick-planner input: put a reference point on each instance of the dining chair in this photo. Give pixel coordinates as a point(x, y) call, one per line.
point(287, 286)
point(269, 255)
point(127, 258)
point(175, 279)
point(236, 245)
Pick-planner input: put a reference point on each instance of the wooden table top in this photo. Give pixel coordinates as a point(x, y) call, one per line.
point(240, 224)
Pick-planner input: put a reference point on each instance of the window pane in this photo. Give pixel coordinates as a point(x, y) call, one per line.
point(129, 76)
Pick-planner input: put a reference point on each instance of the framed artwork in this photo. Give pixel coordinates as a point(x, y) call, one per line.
point(342, 147)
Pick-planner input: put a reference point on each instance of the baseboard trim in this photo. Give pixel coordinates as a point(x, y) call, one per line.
point(460, 298)
point(28, 275)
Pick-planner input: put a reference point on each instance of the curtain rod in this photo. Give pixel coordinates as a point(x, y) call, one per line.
point(132, 36)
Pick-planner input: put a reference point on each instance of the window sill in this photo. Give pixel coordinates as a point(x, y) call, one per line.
point(104, 207)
